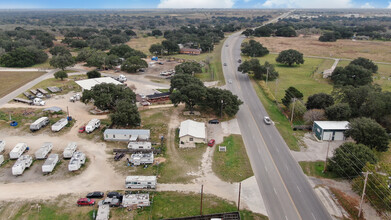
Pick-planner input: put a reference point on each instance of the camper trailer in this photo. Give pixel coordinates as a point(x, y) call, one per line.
point(39, 123)
point(18, 151)
point(59, 124)
point(103, 212)
point(140, 182)
point(140, 200)
point(2, 146)
point(92, 125)
point(50, 163)
point(140, 158)
point(69, 150)
point(43, 151)
point(1, 159)
point(77, 160)
point(21, 164)
point(139, 145)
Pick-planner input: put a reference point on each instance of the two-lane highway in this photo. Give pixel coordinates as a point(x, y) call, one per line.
point(286, 191)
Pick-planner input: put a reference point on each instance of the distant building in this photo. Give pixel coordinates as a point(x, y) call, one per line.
point(158, 97)
point(87, 84)
point(330, 130)
point(190, 51)
point(126, 135)
point(191, 132)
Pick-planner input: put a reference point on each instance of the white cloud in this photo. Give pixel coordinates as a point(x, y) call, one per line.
point(389, 5)
point(196, 3)
point(307, 4)
point(367, 5)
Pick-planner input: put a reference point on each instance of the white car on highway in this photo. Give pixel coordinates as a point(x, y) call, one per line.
point(230, 81)
point(267, 120)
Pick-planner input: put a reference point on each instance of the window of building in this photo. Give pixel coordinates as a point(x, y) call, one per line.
point(190, 139)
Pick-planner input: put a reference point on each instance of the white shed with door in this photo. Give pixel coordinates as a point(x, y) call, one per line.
point(330, 130)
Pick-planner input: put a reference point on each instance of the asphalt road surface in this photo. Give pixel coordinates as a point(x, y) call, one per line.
point(286, 191)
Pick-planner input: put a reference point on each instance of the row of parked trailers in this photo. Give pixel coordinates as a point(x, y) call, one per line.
point(43, 121)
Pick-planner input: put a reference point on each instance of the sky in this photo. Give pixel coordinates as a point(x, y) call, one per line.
point(130, 4)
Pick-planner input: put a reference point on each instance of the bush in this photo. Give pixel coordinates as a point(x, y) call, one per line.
point(93, 74)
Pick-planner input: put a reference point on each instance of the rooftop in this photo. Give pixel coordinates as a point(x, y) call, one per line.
point(192, 128)
point(140, 178)
point(87, 84)
point(128, 131)
point(333, 125)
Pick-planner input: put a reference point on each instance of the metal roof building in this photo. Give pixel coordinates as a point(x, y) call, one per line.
point(126, 134)
point(330, 130)
point(191, 132)
point(87, 84)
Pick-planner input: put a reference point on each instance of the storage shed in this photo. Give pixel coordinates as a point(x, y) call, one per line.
point(87, 84)
point(191, 132)
point(330, 130)
point(126, 134)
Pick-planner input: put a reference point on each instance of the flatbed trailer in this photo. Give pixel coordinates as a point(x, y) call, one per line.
point(42, 91)
point(23, 101)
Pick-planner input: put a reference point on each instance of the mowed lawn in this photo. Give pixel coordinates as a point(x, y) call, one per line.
point(144, 43)
point(306, 77)
point(13, 80)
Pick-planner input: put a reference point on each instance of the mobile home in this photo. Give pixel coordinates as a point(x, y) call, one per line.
point(77, 160)
point(43, 151)
point(140, 158)
point(139, 145)
point(21, 164)
point(69, 150)
point(103, 212)
point(18, 150)
point(92, 125)
point(140, 182)
point(126, 135)
point(2, 146)
point(140, 200)
point(59, 124)
point(39, 123)
point(50, 163)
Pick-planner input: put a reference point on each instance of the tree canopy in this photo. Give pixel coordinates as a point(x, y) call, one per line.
point(156, 49)
point(132, 64)
point(188, 68)
point(124, 51)
point(365, 63)
point(260, 71)
point(254, 49)
point(290, 57)
point(126, 114)
point(60, 75)
point(23, 57)
point(353, 75)
point(319, 101)
point(291, 93)
point(338, 112)
point(62, 61)
point(93, 74)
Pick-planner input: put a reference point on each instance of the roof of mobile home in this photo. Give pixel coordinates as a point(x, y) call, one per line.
point(140, 178)
point(192, 128)
point(87, 84)
point(333, 125)
point(128, 131)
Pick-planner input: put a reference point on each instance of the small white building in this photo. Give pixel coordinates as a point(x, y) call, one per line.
point(139, 145)
point(139, 200)
point(330, 130)
point(133, 135)
point(87, 84)
point(191, 132)
point(140, 158)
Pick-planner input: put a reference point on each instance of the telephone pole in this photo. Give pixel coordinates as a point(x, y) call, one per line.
point(275, 91)
point(327, 155)
point(240, 188)
point(202, 191)
point(267, 74)
point(363, 191)
point(293, 109)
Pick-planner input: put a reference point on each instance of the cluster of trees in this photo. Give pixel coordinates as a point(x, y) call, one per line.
point(191, 91)
point(290, 57)
point(260, 72)
point(166, 47)
point(188, 68)
point(120, 100)
point(271, 29)
point(254, 49)
point(62, 57)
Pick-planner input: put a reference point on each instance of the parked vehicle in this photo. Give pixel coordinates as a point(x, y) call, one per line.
point(121, 78)
point(213, 121)
point(39, 123)
point(114, 194)
point(82, 129)
point(1, 159)
point(85, 202)
point(2, 145)
point(77, 160)
point(267, 120)
point(230, 81)
point(59, 124)
point(69, 150)
point(140, 158)
point(21, 164)
point(140, 182)
point(118, 156)
point(112, 202)
point(239, 61)
point(225, 64)
point(140, 200)
point(50, 163)
point(95, 195)
point(38, 101)
point(75, 98)
point(18, 150)
point(211, 142)
point(42, 152)
point(92, 125)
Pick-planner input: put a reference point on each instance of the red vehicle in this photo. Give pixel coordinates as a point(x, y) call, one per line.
point(82, 129)
point(85, 202)
point(211, 142)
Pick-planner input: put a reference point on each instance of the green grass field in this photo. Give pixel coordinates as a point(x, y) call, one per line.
point(315, 169)
point(15, 80)
point(233, 165)
point(144, 43)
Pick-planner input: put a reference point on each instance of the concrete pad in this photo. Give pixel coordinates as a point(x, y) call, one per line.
point(251, 197)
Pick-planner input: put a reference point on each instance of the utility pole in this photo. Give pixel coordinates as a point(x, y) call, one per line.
point(240, 188)
point(275, 90)
point(363, 191)
point(293, 109)
point(327, 155)
point(267, 74)
point(202, 191)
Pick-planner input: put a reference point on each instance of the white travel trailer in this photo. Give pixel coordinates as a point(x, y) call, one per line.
point(69, 150)
point(21, 164)
point(1, 159)
point(42, 152)
point(18, 151)
point(50, 163)
point(103, 212)
point(59, 124)
point(140, 145)
point(140, 200)
point(39, 123)
point(77, 160)
point(140, 158)
point(2, 145)
point(140, 182)
point(92, 125)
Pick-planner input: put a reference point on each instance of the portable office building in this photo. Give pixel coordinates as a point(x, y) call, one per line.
point(2, 145)
point(140, 182)
point(50, 163)
point(21, 164)
point(39, 123)
point(69, 150)
point(59, 124)
point(139, 145)
point(77, 160)
point(18, 150)
point(43, 151)
point(140, 200)
point(140, 158)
